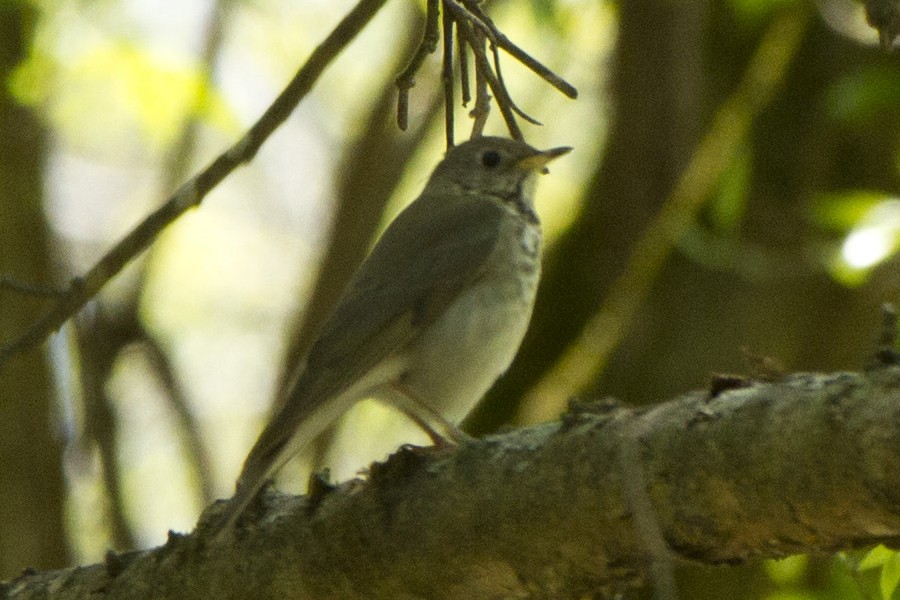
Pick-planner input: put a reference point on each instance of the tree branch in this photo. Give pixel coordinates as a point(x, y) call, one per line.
point(472, 26)
point(810, 463)
point(191, 194)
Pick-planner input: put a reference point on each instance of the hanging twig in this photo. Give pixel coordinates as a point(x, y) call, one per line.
point(482, 108)
point(407, 79)
point(504, 103)
point(447, 77)
point(497, 37)
point(472, 28)
point(463, 69)
point(512, 105)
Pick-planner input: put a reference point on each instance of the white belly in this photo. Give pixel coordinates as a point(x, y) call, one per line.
point(475, 340)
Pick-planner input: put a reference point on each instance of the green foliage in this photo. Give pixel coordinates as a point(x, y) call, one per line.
point(753, 12)
point(787, 571)
point(876, 571)
point(545, 10)
point(727, 209)
point(860, 98)
point(869, 223)
point(840, 212)
point(152, 96)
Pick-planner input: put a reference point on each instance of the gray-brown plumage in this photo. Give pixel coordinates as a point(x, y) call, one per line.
point(434, 314)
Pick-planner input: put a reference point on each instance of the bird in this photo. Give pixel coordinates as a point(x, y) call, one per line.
point(432, 317)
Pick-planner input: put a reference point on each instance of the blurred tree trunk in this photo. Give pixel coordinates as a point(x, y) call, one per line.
point(31, 480)
point(657, 116)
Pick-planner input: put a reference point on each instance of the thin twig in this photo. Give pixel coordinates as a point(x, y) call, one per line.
point(197, 452)
point(463, 69)
point(887, 353)
point(477, 18)
point(483, 64)
point(472, 26)
point(192, 193)
point(512, 104)
point(584, 360)
point(447, 77)
point(482, 108)
point(29, 289)
point(407, 79)
point(644, 515)
point(516, 52)
point(177, 399)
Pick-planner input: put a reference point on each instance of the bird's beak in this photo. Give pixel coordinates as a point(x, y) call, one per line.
point(538, 162)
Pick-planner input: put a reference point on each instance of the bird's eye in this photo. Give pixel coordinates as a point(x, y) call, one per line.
point(490, 159)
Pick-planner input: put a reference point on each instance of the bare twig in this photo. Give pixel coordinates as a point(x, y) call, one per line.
point(504, 102)
point(177, 399)
point(887, 353)
point(463, 69)
point(192, 193)
point(407, 79)
point(512, 105)
point(29, 289)
point(520, 55)
point(482, 107)
point(472, 27)
point(447, 77)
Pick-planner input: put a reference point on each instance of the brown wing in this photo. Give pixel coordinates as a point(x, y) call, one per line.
point(425, 258)
point(432, 251)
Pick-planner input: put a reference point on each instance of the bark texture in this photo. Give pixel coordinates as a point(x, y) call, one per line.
point(809, 463)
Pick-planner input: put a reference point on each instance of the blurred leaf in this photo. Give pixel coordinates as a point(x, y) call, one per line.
point(752, 12)
point(727, 209)
point(31, 81)
point(544, 9)
point(874, 239)
point(123, 87)
point(792, 595)
point(875, 557)
point(860, 98)
point(890, 576)
point(788, 570)
point(841, 211)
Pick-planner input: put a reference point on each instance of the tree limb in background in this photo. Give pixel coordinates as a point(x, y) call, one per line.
point(810, 463)
point(472, 27)
point(104, 335)
point(29, 289)
point(192, 193)
point(584, 359)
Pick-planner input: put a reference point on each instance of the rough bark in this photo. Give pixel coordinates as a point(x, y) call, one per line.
point(810, 463)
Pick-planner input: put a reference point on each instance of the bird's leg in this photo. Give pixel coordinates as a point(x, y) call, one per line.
point(442, 432)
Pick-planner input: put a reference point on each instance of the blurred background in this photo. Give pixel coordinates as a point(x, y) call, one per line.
point(732, 200)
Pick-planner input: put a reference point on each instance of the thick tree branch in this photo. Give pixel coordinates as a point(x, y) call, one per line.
point(810, 463)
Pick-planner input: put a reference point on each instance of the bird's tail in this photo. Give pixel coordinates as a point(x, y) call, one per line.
point(262, 463)
point(294, 426)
